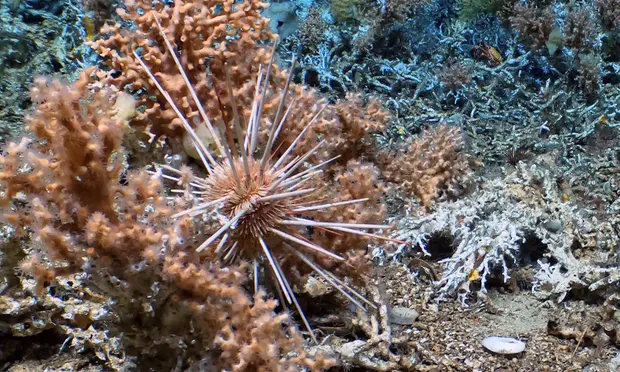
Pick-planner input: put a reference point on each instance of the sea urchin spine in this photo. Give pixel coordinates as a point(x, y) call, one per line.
point(261, 199)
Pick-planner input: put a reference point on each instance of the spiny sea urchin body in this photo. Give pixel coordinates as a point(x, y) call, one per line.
point(248, 193)
point(257, 195)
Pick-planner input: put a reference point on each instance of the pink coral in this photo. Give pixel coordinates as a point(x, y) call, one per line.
point(429, 164)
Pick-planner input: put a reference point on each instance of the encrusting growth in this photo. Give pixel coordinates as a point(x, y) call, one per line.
point(254, 197)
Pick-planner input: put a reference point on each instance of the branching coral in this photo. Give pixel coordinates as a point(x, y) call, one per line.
point(353, 181)
point(312, 31)
point(533, 24)
point(456, 76)
point(580, 29)
point(66, 187)
point(70, 180)
point(345, 125)
point(401, 9)
point(430, 164)
point(264, 198)
point(207, 40)
point(209, 33)
point(470, 9)
point(357, 118)
point(253, 202)
point(244, 333)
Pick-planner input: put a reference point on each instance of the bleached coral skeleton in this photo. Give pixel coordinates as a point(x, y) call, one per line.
point(490, 226)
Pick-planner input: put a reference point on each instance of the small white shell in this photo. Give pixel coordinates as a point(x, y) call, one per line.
point(503, 345)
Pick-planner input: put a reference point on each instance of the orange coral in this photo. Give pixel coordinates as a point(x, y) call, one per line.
point(65, 188)
point(247, 333)
point(358, 118)
point(429, 164)
point(253, 202)
point(206, 43)
point(209, 33)
point(69, 179)
point(346, 126)
point(354, 180)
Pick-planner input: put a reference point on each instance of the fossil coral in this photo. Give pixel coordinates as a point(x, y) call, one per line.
point(517, 219)
point(254, 199)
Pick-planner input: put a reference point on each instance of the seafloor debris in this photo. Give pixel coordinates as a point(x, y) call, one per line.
point(503, 345)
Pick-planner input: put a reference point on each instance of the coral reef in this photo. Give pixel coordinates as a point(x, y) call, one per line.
point(85, 222)
point(89, 215)
point(484, 132)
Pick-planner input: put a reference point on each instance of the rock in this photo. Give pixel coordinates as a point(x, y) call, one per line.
point(351, 349)
point(316, 288)
point(403, 315)
point(503, 345)
point(553, 225)
point(282, 18)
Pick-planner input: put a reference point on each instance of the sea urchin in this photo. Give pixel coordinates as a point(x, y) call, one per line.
point(259, 196)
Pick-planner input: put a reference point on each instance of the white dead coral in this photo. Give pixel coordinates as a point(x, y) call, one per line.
point(490, 226)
